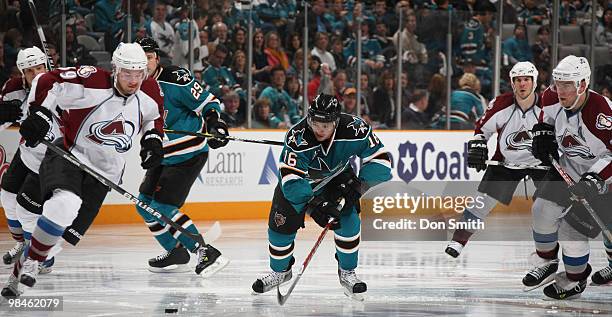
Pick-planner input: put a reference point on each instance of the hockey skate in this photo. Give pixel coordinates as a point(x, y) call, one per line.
point(564, 288)
point(542, 273)
point(11, 290)
point(173, 261)
point(270, 281)
point(603, 276)
point(210, 261)
point(353, 287)
point(47, 266)
point(13, 254)
point(29, 272)
point(454, 248)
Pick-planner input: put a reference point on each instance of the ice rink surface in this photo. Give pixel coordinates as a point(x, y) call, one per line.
point(106, 275)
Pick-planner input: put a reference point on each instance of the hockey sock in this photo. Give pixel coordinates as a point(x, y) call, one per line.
point(45, 235)
point(281, 250)
point(576, 267)
point(608, 247)
point(547, 246)
point(168, 237)
point(463, 235)
point(347, 240)
point(9, 203)
point(184, 221)
point(156, 226)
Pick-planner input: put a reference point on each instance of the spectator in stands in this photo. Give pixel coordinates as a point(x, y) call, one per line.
point(239, 68)
point(603, 33)
point(337, 52)
point(415, 117)
point(349, 104)
point(220, 33)
point(297, 67)
point(161, 31)
point(239, 40)
point(262, 69)
point(275, 54)
point(466, 105)
point(205, 47)
point(321, 80)
point(532, 12)
point(437, 94)
point(12, 42)
point(107, 13)
point(366, 92)
point(294, 43)
point(433, 26)
point(339, 80)
point(216, 76)
point(54, 54)
point(320, 50)
point(406, 88)
point(4, 70)
point(76, 54)
point(275, 13)
point(180, 50)
point(283, 107)
point(567, 13)
point(293, 87)
point(517, 48)
point(316, 19)
point(371, 52)
point(477, 33)
point(386, 44)
point(383, 110)
point(606, 90)
point(263, 117)
point(541, 49)
point(380, 13)
point(337, 18)
point(232, 114)
point(414, 53)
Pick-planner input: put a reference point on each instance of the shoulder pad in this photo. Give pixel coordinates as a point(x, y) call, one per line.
point(300, 138)
point(175, 75)
point(351, 128)
point(502, 101)
point(549, 97)
point(12, 85)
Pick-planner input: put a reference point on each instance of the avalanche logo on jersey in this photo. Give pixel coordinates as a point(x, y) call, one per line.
point(297, 137)
point(572, 146)
point(358, 125)
point(603, 122)
point(520, 140)
point(117, 133)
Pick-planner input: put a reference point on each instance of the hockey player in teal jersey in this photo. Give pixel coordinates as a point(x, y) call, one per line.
point(316, 154)
point(188, 107)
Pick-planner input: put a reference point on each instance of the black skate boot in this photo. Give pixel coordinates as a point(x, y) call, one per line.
point(353, 287)
point(603, 276)
point(29, 272)
point(14, 253)
point(11, 290)
point(173, 261)
point(542, 274)
point(564, 288)
point(454, 248)
point(210, 261)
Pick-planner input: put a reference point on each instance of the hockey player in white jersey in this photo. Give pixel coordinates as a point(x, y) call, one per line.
point(510, 116)
point(102, 113)
point(20, 194)
point(576, 128)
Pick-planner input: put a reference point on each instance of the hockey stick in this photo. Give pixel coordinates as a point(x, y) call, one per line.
point(106, 182)
point(41, 34)
point(231, 138)
point(570, 182)
point(283, 298)
point(517, 166)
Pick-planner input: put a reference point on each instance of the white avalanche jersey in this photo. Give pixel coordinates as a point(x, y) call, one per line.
point(31, 157)
point(513, 128)
point(99, 126)
point(584, 137)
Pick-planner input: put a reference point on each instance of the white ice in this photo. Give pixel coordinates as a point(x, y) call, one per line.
point(106, 276)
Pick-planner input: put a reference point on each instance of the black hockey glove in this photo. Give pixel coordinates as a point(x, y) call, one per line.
point(477, 154)
point(10, 111)
point(217, 127)
point(349, 186)
point(36, 126)
point(151, 149)
point(589, 186)
point(544, 142)
point(321, 211)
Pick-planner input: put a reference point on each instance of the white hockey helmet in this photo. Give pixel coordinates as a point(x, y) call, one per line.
point(129, 56)
point(573, 68)
point(30, 57)
point(524, 69)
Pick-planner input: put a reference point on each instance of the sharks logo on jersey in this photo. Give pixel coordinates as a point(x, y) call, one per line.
point(117, 133)
point(182, 76)
point(574, 146)
point(297, 138)
point(358, 125)
point(519, 140)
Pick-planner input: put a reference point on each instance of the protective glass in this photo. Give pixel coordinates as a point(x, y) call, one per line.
point(565, 86)
point(131, 74)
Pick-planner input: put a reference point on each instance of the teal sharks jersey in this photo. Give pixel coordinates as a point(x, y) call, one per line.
point(305, 163)
point(186, 103)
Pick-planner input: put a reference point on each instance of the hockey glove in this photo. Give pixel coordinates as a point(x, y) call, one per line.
point(477, 154)
point(216, 127)
point(36, 126)
point(589, 186)
point(321, 211)
point(544, 142)
point(151, 149)
point(10, 111)
point(351, 188)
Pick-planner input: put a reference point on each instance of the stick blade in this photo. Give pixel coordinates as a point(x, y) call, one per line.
point(279, 297)
point(213, 233)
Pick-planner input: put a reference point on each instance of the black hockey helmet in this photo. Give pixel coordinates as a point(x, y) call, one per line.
point(149, 45)
point(324, 108)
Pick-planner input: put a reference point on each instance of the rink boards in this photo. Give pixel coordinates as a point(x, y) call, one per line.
point(239, 179)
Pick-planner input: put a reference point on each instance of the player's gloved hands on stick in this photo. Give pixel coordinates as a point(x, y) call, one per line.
point(589, 186)
point(36, 126)
point(544, 143)
point(217, 127)
point(10, 111)
point(351, 189)
point(321, 211)
point(477, 154)
point(151, 149)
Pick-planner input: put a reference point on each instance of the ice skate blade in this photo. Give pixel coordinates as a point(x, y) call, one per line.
point(577, 296)
point(219, 264)
point(356, 297)
point(547, 281)
point(595, 284)
point(175, 268)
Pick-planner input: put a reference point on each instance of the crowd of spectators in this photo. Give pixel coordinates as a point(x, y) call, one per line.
point(220, 40)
